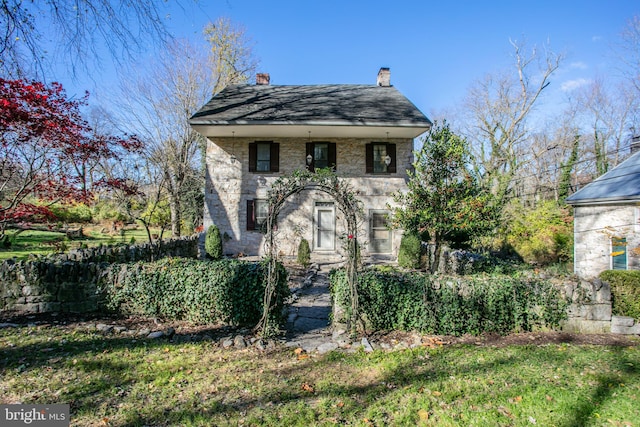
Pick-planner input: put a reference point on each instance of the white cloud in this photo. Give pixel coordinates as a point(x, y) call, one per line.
point(570, 85)
point(579, 65)
point(596, 39)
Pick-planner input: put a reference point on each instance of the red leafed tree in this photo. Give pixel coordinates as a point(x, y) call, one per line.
point(48, 151)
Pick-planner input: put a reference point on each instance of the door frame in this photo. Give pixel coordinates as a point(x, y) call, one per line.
point(324, 206)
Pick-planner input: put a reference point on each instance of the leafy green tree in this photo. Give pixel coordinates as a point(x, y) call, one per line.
point(444, 198)
point(543, 235)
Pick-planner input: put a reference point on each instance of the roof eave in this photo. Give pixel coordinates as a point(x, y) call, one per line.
point(603, 201)
point(211, 128)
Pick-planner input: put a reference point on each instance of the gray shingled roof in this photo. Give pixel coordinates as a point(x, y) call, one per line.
point(620, 184)
point(310, 105)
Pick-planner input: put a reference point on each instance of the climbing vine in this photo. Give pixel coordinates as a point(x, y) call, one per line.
point(327, 181)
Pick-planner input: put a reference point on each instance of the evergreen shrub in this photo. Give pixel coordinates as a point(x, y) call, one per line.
point(410, 252)
point(625, 291)
point(213, 242)
point(229, 291)
point(394, 300)
point(304, 253)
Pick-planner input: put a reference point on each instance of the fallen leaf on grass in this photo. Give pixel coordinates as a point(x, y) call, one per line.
point(516, 400)
point(504, 411)
point(301, 353)
point(436, 393)
point(308, 388)
point(424, 415)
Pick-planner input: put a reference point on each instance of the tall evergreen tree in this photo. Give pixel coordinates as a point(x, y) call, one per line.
point(444, 199)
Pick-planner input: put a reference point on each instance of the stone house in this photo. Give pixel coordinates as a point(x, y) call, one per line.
point(258, 133)
point(607, 221)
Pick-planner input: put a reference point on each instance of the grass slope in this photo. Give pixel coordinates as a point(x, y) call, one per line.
point(119, 381)
point(39, 242)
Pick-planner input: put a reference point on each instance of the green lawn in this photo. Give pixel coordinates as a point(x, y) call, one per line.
point(47, 242)
point(119, 381)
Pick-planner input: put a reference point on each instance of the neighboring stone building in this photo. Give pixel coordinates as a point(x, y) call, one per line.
point(607, 221)
point(257, 133)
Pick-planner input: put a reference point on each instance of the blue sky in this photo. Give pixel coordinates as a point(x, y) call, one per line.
point(435, 50)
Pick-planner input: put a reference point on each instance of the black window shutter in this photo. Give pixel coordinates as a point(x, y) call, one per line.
point(332, 156)
point(391, 152)
point(368, 155)
point(310, 152)
point(275, 157)
point(253, 156)
point(251, 217)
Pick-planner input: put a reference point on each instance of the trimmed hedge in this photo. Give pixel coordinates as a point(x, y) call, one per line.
point(392, 300)
point(228, 291)
point(625, 291)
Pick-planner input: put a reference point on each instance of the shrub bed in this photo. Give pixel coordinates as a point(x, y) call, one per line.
point(625, 291)
point(229, 291)
point(392, 300)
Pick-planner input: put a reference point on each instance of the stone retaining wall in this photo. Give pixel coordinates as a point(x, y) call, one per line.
point(69, 282)
point(590, 306)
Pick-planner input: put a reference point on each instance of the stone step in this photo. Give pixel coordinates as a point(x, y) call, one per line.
point(624, 325)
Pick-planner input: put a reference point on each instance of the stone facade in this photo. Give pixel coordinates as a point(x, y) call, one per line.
point(229, 185)
point(594, 228)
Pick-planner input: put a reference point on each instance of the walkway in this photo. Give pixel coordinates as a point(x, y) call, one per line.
point(308, 325)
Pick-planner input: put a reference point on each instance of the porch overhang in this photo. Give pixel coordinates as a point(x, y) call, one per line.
point(314, 130)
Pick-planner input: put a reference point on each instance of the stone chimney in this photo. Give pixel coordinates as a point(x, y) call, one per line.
point(635, 144)
point(384, 77)
point(262, 79)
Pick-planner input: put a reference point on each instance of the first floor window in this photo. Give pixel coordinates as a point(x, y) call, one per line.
point(379, 232)
point(618, 253)
point(257, 211)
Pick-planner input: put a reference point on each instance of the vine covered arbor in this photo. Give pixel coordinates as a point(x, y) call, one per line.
point(326, 181)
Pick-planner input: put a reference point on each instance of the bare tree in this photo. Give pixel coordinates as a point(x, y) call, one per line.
point(79, 28)
point(232, 60)
point(608, 115)
point(499, 107)
point(159, 105)
point(627, 52)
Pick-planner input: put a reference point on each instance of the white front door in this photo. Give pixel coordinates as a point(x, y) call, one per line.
point(324, 226)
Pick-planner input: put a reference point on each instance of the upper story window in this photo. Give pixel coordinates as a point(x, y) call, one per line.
point(264, 156)
point(618, 253)
point(380, 157)
point(321, 155)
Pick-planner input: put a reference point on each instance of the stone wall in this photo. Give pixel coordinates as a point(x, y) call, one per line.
point(229, 185)
point(590, 305)
point(70, 282)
